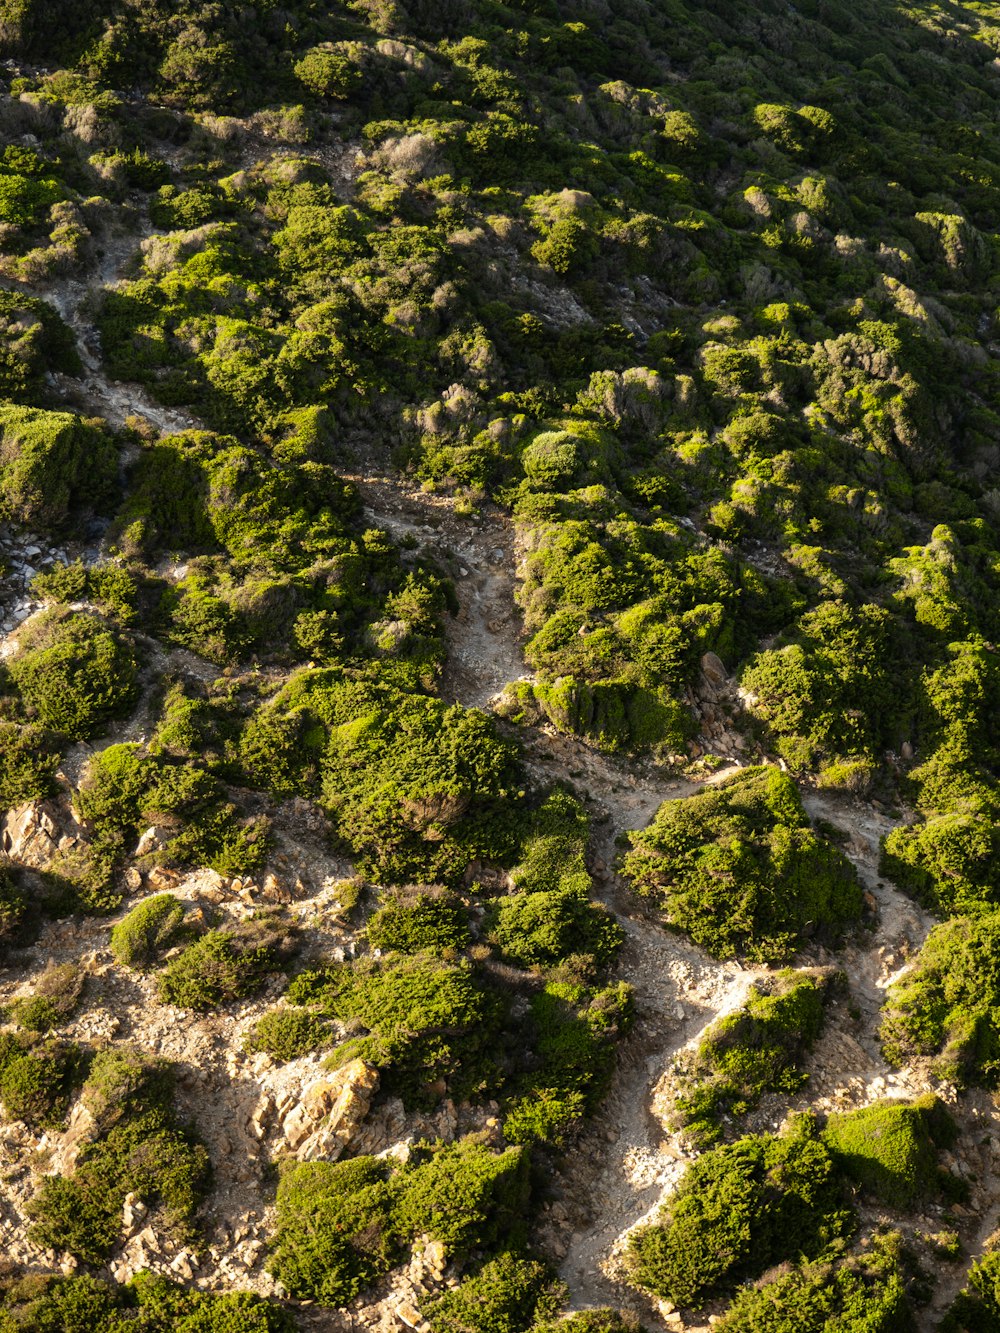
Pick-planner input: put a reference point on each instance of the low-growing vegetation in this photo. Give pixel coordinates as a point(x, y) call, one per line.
point(139, 1148)
point(342, 1225)
point(738, 868)
point(227, 964)
point(760, 1048)
point(943, 1009)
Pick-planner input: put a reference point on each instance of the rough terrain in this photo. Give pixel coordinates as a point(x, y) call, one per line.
point(624, 1166)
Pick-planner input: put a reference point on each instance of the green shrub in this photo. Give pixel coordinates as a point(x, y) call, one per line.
point(328, 73)
point(56, 995)
point(33, 341)
point(831, 692)
point(427, 1020)
point(335, 1231)
point(549, 917)
point(739, 1209)
point(976, 1309)
point(38, 1078)
point(507, 1295)
point(74, 672)
point(285, 1034)
point(29, 756)
point(419, 790)
point(411, 921)
point(889, 1148)
point(138, 1149)
point(540, 929)
point(756, 1050)
point(141, 938)
point(569, 1034)
point(859, 1293)
point(945, 1006)
point(592, 1321)
point(467, 1197)
point(123, 790)
point(948, 863)
point(227, 965)
point(739, 869)
point(55, 468)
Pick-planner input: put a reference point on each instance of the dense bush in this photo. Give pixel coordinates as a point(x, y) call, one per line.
point(342, 1225)
point(55, 468)
point(945, 1006)
point(948, 863)
point(141, 938)
point(125, 789)
point(411, 921)
point(84, 1304)
point(739, 869)
point(227, 964)
point(38, 1078)
point(757, 1049)
point(976, 1309)
point(889, 1148)
point(739, 1209)
point(427, 1020)
point(859, 1293)
point(506, 1295)
point(55, 996)
point(33, 341)
point(285, 1034)
point(74, 672)
point(548, 916)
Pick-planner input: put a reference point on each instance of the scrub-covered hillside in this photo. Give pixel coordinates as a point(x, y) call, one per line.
point(499, 766)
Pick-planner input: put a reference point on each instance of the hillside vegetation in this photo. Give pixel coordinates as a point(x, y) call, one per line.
point(683, 318)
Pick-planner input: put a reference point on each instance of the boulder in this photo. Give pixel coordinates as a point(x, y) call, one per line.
point(331, 1111)
point(713, 669)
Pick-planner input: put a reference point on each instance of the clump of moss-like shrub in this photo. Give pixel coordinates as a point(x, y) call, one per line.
point(55, 996)
point(342, 1225)
point(944, 1007)
point(227, 964)
point(755, 1050)
point(142, 937)
point(416, 789)
point(739, 869)
point(29, 757)
point(55, 468)
point(976, 1308)
point(81, 1303)
point(860, 1292)
point(138, 1148)
point(427, 1020)
point(549, 916)
point(437, 1027)
point(125, 790)
point(38, 1077)
point(591, 1321)
point(889, 1149)
point(285, 1034)
point(505, 1295)
point(738, 1210)
point(948, 862)
point(415, 920)
point(830, 692)
point(74, 672)
point(568, 1034)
